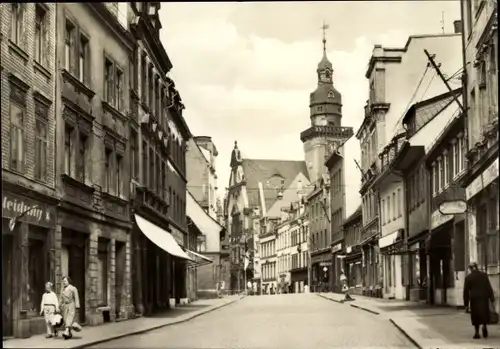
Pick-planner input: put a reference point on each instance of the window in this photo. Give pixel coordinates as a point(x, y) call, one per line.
point(435, 178)
point(158, 188)
point(462, 147)
point(16, 25)
point(108, 81)
point(143, 77)
point(151, 168)
point(399, 201)
point(40, 32)
point(83, 59)
point(383, 212)
point(388, 209)
point(69, 47)
point(82, 157)
point(134, 154)
point(119, 174)
point(395, 203)
point(41, 147)
point(145, 163)
point(446, 166)
point(119, 89)
point(102, 274)
point(107, 169)
point(68, 149)
point(17, 139)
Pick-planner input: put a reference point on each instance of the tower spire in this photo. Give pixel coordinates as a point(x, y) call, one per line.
point(324, 27)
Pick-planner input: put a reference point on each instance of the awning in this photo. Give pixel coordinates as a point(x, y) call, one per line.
point(206, 224)
point(198, 259)
point(160, 237)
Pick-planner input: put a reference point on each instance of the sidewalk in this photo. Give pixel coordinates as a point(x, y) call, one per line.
point(99, 334)
point(426, 326)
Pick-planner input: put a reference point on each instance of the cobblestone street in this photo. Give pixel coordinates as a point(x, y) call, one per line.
point(279, 321)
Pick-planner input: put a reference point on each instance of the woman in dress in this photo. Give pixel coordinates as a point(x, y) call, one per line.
point(48, 307)
point(69, 304)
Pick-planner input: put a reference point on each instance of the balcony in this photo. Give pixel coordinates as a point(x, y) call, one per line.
point(338, 132)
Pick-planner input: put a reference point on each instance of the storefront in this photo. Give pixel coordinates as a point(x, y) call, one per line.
point(298, 279)
point(391, 246)
point(418, 266)
point(321, 267)
point(483, 223)
point(446, 259)
point(28, 259)
point(159, 266)
point(337, 265)
point(353, 269)
point(372, 272)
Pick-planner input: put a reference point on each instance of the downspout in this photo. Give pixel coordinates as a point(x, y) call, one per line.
point(465, 101)
point(406, 232)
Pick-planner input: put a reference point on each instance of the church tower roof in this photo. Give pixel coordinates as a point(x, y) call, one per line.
point(324, 63)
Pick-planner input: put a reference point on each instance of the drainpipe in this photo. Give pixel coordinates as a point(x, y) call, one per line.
point(466, 123)
point(409, 262)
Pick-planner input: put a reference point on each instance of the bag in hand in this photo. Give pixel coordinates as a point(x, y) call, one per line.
point(493, 314)
point(76, 327)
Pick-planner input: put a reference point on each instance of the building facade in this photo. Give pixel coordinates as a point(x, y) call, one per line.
point(283, 248)
point(353, 258)
point(158, 138)
point(480, 36)
point(201, 159)
point(393, 80)
point(27, 86)
point(268, 256)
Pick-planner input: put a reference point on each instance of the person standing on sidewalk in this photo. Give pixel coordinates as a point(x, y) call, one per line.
point(479, 293)
point(345, 286)
point(70, 302)
point(48, 307)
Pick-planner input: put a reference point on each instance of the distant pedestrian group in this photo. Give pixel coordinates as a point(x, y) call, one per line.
point(60, 312)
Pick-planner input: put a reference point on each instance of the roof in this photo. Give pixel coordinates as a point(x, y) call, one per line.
point(290, 195)
point(260, 170)
point(353, 216)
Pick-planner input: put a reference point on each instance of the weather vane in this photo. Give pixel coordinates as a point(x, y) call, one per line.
point(324, 27)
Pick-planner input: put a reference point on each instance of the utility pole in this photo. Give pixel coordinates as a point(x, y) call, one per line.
point(440, 74)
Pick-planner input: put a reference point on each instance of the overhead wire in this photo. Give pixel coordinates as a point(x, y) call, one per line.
point(412, 97)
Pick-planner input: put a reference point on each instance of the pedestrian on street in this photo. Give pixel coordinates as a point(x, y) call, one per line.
point(49, 307)
point(345, 287)
point(70, 302)
point(478, 291)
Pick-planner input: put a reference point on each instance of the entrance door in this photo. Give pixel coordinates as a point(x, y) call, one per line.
point(119, 275)
point(7, 245)
point(77, 274)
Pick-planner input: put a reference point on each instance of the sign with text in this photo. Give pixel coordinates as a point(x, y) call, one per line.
point(28, 210)
point(336, 248)
point(325, 264)
point(453, 207)
point(482, 181)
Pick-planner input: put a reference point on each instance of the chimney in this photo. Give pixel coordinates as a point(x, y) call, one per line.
point(458, 26)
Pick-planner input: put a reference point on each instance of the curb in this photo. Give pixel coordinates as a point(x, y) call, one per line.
point(329, 299)
point(152, 328)
point(365, 309)
point(410, 338)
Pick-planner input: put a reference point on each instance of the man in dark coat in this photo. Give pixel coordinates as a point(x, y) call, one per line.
point(478, 291)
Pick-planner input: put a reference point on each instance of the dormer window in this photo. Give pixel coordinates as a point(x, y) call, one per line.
point(331, 94)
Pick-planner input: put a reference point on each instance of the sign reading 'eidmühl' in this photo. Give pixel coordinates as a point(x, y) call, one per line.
point(36, 213)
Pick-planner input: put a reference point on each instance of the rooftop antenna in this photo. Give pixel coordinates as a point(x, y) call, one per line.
point(442, 21)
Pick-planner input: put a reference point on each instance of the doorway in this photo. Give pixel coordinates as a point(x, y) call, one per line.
point(120, 260)
point(73, 264)
point(7, 247)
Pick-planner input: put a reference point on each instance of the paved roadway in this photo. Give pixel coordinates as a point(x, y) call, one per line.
point(291, 321)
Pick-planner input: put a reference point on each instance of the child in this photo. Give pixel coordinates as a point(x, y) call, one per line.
point(48, 307)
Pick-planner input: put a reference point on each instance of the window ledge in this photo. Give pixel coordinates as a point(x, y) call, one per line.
point(75, 182)
point(76, 82)
point(41, 69)
point(108, 107)
point(18, 51)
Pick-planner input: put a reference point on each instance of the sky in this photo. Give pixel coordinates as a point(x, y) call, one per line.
point(245, 70)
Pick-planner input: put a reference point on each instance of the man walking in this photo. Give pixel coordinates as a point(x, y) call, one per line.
point(478, 291)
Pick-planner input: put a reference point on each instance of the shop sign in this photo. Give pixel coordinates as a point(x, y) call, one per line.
point(28, 210)
point(178, 235)
point(325, 264)
point(336, 248)
point(453, 207)
point(438, 219)
point(482, 181)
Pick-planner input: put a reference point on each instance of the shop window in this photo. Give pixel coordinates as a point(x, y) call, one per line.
point(492, 231)
point(37, 273)
point(102, 272)
point(481, 217)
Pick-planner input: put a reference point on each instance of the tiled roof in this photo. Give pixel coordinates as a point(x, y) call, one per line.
point(289, 195)
point(259, 170)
